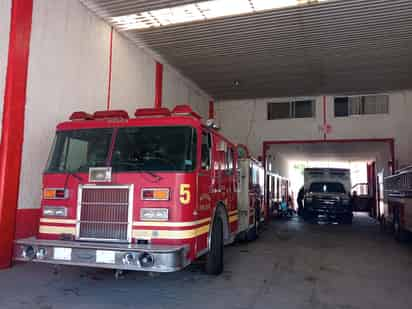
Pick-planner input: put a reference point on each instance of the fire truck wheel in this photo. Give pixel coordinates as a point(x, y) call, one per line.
point(382, 224)
point(214, 259)
point(252, 233)
point(399, 232)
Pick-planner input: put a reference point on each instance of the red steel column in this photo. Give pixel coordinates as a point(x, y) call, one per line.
point(325, 121)
point(158, 85)
point(13, 123)
point(211, 110)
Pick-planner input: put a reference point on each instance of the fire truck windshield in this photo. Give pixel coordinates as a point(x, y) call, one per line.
point(154, 149)
point(135, 149)
point(77, 150)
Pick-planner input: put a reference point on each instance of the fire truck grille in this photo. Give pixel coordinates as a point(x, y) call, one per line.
point(104, 214)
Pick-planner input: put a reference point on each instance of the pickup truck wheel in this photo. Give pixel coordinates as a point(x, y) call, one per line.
point(214, 259)
point(382, 224)
point(308, 215)
point(399, 232)
point(348, 219)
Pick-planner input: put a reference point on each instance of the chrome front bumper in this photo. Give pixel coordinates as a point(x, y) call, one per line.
point(155, 258)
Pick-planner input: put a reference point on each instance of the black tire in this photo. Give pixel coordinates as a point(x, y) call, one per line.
point(253, 232)
point(382, 224)
point(398, 231)
point(348, 220)
point(308, 215)
point(214, 258)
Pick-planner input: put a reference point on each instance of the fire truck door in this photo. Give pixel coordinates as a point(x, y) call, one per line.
point(243, 195)
point(205, 177)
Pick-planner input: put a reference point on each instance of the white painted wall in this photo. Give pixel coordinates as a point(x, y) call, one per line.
point(133, 75)
point(178, 90)
point(5, 10)
point(133, 81)
point(245, 121)
point(68, 71)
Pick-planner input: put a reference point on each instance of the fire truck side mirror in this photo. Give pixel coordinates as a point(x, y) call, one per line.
point(210, 123)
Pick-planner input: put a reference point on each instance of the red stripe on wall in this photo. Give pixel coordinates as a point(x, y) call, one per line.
point(109, 84)
point(27, 223)
point(13, 123)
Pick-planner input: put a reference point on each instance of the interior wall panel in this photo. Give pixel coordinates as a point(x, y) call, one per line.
point(245, 121)
point(178, 90)
point(5, 10)
point(133, 76)
point(67, 72)
point(174, 90)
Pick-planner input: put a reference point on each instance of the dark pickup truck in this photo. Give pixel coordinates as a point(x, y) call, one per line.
point(328, 200)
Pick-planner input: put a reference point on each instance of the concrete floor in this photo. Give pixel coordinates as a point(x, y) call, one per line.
point(292, 265)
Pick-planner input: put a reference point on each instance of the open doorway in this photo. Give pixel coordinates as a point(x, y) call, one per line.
point(368, 161)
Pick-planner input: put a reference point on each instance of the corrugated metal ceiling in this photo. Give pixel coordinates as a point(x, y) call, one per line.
point(336, 47)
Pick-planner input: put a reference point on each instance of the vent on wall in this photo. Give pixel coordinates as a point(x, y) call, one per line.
point(361, 105)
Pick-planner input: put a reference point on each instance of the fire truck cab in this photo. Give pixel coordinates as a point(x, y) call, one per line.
point(152, 193)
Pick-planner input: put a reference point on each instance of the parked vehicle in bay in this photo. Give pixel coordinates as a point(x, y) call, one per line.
point(277, 190)
point(152, 193)
point(397, 203)
point(327, 194)
point(251, 204)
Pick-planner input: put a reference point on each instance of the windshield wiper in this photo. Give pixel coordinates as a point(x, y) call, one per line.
point(69, 174)
point(154, 175)
point(74, 174)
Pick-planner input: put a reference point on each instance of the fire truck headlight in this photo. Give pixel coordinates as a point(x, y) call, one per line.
point(29, 252)
point(41, 253)
point(54, 211)
point(154, 214)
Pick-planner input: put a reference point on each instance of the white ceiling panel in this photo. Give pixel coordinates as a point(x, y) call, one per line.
point(328, 47)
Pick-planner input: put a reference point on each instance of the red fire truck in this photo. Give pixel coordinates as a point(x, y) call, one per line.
point(252, 210)
point(397, 204)
point(152, 193)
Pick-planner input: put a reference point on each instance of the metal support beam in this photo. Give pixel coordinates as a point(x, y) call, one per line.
point(211, 109)
point(158, 85)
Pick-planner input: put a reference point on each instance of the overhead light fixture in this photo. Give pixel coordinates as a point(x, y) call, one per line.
point(201, 11)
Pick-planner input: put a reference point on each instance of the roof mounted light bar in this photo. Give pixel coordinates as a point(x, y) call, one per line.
point(114, 114)
point(152, 112)
point(179, 110)
point(76, 116)
point(185, 110)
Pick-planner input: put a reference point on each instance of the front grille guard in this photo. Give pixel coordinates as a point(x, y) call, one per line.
point(130, 213)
